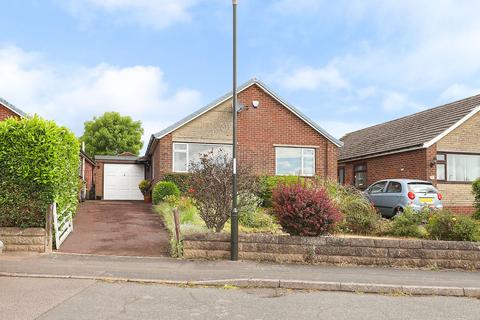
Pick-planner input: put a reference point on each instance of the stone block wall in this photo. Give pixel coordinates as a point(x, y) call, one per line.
point(338, 250)
point(26, 240)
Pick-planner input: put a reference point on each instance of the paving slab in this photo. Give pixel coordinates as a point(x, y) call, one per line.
point(169, 269)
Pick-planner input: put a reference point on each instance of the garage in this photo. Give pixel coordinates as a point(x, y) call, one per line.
point(121, 181)
point(117, 177)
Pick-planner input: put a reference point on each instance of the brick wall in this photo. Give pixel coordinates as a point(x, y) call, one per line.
point(259, 130)
point(465, 138)
point(6, 113)
point(337, 250)
point(89, 168)
point(99, 179)
point(405, 165)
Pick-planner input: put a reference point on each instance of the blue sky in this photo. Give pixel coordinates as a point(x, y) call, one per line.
point(346, 64)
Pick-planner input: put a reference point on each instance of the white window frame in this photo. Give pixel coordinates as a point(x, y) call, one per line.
point(187, 151)
point(183, 151)
point(302, 174)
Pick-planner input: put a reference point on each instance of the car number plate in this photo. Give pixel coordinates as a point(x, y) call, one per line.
point(426, 200)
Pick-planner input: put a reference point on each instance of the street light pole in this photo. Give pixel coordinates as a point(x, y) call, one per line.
point(234, 215)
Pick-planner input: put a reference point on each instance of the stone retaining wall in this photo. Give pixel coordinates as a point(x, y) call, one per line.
point(337, 250)
point(18, 239)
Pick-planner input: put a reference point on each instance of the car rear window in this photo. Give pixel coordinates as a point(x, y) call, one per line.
point(417, 187)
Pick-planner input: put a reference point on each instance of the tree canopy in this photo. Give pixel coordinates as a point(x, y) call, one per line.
point(112, 134)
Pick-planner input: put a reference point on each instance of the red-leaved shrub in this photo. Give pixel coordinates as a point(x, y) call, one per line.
point(304, 210)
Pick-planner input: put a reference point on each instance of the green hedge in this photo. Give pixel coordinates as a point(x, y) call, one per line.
point(38, 166)
point(476, 193)
point(181, 180)
point(269, 183)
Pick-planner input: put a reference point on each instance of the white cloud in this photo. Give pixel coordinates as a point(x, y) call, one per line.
point(73, 95)
point(157, 14)
point(309, 78)
point(458, 91)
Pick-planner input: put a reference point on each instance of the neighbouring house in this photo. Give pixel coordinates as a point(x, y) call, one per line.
point(86, 173)
point(8, 110)
point(274, 138)
point(441, 145)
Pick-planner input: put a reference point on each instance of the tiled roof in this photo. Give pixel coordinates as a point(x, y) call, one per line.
point(244, 86)
point(409, 132)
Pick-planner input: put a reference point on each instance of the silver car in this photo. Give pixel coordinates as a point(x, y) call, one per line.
point(394, 195)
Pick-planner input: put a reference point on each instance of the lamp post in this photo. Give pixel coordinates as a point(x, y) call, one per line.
point(234, 215)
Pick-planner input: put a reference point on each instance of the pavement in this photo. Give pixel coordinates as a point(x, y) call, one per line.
point(162, 270)
point(25, 299)
point(126, 228)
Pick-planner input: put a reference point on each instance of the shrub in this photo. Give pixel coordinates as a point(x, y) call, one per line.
point(258, 219)
point(476, 193)
point(144, 187)
point(211, 181)
point(407, 223)
point(38, 166)
point(359, 216)
point(444, 225)
point(250, 215)
point(268, 183)
point(304, 210)
point(163, 189)
point(182, 180)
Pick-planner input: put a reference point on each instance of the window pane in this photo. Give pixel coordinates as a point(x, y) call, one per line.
point(180, 162)
point(440, 171)
point(289, 161)
point(308, 162)
point(440, 157)
point(179, 146)
point(461, 167)
point(361, 180)
point(360, 167)
point(394, 187)
point(196, 150)
point(378, 187)
point(341, 175)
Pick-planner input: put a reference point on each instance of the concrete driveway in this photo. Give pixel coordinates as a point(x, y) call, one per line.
point(123, 228)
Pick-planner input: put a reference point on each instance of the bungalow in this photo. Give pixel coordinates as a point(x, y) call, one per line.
point(274, 138)
point(441, 145)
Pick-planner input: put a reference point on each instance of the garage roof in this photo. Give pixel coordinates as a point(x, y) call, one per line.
point(416, 131)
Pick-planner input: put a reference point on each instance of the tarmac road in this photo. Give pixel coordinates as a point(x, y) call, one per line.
point(34, 298)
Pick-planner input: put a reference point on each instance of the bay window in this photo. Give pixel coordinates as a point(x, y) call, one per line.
point(295, 161)
point(186, 153)
point(455, 167)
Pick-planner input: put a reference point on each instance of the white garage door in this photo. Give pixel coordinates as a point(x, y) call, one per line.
point(120, 181)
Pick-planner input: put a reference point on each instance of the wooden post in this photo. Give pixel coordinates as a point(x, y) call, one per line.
point(49, 230)
point(176, 219)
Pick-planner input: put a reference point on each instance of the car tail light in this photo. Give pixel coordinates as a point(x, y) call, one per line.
point(439, 196)
point(411, 195)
